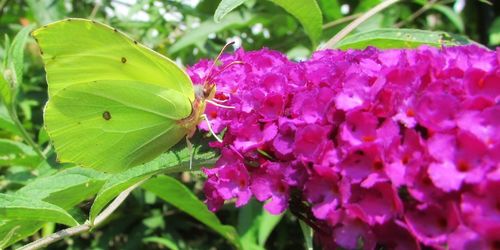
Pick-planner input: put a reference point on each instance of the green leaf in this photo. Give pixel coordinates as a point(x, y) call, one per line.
point(12, 74)
point(14, 230)
point(175, 193)
point(248, 221)
point(226, 6)
point(308, 234)
point(256, 224)
point(161, 241)
point(400, 38)
point(451, 15)
point(8, 236)
point(231, 21)
point(6, 122)
point(486, 2)
point(16, 207)
point(330, 9)
point(5, 87)
point(6, 44)
point(16, 53)
point(266, 226)
point(175, 160)
point(17, 153)
point(308, 13)
point(366, 5)
point(494, 31)
point(66, 188)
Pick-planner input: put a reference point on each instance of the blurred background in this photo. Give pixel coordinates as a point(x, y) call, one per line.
point(185, 30)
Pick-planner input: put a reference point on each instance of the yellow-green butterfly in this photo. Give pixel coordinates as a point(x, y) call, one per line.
point(113, 103)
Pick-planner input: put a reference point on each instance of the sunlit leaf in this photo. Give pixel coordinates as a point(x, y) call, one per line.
point(14, 230)
point(266, 226)
point(5, 87)
point(8, 235)
point(175, 160)
point(307, 232)
point(226, 6)
point(494, 38)
point(256, 224)
point(308, 13)
point(175, 193)
point(16, 207)
point(248, 224)
point(161, 241)
point(400, 38)
point(17, 153)
point(6, 123)
point(66, 188)
point(16, 53)
point(365, 5)
point(330, 9)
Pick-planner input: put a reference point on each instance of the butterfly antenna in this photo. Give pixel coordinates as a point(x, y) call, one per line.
point(216, 60)
point(210, 128)
point(210, 78)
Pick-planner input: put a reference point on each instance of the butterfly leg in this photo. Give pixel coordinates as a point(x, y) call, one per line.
point(210, 128)
point(219, 105)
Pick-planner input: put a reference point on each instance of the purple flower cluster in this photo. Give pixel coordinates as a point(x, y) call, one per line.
point(393, 148)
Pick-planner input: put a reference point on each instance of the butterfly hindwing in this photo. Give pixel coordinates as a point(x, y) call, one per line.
point(112, 125)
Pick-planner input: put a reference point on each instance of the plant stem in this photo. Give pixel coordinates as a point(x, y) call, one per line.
point(96, 8)
point(354, 24)
point(416, 14)
point(43, 242)
point(25, 134)
point(341, 21)
point(115, 204)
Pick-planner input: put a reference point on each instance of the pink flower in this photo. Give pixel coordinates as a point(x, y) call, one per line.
point(458, 158)
point(270, 184)
point(309, 142)
point(395, 148)
point(432, 223)
point(437, 111)
point(395, 235)
point(352, 234)
point(481, 209)
point(376, 205)
point(229, 180)
point(327, 193)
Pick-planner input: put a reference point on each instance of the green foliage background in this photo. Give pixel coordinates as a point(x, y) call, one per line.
point(40, 196)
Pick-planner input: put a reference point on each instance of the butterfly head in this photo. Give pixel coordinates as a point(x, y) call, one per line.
point(205, 91)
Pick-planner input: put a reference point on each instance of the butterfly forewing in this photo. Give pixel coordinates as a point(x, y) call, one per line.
point(113, 103)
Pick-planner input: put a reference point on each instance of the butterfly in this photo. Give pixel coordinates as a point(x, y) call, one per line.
point(114, 103)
